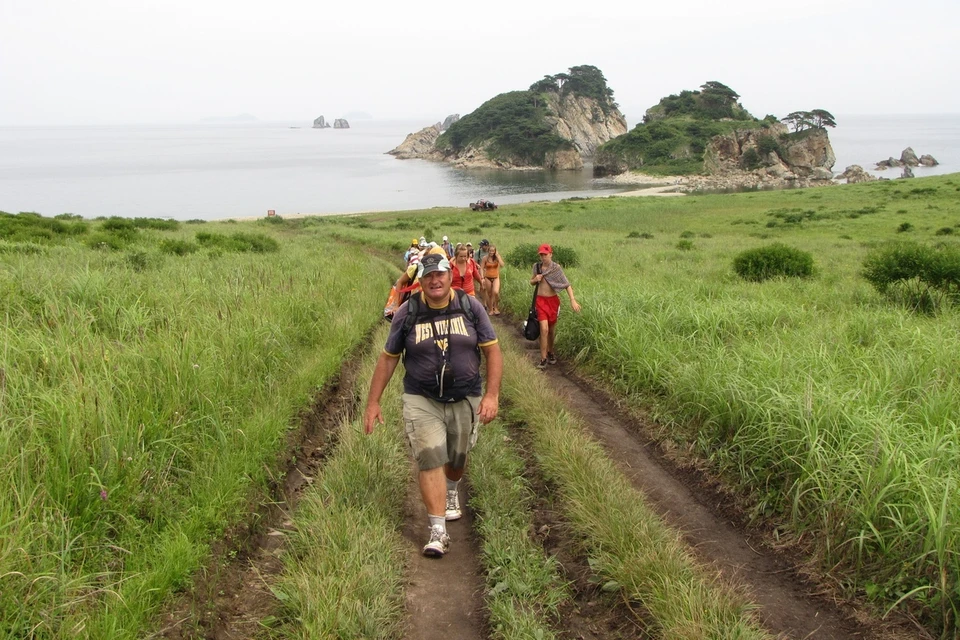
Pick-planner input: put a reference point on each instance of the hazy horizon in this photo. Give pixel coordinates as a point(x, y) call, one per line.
point(179, 61)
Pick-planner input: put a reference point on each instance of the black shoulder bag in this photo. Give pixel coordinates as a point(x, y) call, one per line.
point(531, 326)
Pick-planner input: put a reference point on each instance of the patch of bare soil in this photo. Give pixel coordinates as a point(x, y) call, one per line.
point(793, 602)
point(444, 595)
point(231, 598)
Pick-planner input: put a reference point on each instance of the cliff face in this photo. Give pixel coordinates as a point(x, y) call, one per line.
point(582, 121)
point(807, 155)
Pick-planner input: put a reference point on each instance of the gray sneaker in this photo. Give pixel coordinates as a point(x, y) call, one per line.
point(453, 506)
point(438, 544)
point(542, 365)
point(551, 358)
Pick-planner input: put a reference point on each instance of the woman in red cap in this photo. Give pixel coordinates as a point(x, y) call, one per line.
point(549, 279)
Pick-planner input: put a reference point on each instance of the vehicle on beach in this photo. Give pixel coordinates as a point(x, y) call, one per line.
point(483, 205)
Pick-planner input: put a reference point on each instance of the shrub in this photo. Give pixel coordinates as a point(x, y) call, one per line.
point(944, 231)
point(919, 275)
point(767, 144)
point(238, 242)
point(106, 241)
point(524, 255)
point(178, 247)
point(685, 245)
point(904, 227)
point(119, 226)
point(156, 223)
point(750, 159)
point(775, 260)
point(687, 234)
point(137, 260)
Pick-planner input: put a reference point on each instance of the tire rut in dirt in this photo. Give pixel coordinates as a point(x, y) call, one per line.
point(444, 596)
point(790, 603)
point(231, 597)
point(593, 613)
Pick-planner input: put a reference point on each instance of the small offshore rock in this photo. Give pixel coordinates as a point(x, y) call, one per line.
point(341, 123)
point(909, 158)
point(854, 174)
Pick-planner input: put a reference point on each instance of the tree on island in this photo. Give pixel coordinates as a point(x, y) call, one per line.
point(584, 80)
point(803, 120)
point(717, 99)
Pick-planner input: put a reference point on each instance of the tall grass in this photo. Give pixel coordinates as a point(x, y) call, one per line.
point(627, 543)
point(835, 409)
point(524, 588)
point(345, 567)
point(141, 406)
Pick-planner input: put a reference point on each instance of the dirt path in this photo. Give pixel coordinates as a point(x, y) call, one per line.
point(789, 604)
point(444, 597)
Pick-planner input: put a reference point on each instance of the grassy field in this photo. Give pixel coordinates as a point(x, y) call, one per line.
point(148, 376)
point(144, 399)
point(831, 407)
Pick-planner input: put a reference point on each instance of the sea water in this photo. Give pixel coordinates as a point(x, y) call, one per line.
point(215, 171)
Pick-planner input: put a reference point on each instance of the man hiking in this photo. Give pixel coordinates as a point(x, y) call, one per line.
point(549, 278)
point(441, 334)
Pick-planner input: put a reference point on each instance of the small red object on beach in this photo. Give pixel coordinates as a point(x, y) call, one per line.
point(271, 213)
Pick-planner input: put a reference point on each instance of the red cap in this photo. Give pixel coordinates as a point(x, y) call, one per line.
point(544, 248)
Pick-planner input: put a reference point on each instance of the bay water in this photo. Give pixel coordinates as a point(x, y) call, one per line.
point(217, 171)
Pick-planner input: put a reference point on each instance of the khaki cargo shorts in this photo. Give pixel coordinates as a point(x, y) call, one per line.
point(440, 432)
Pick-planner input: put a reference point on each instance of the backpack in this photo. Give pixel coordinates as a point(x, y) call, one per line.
point(414, 307)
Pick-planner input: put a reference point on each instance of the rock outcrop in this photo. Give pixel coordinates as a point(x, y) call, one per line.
point(854, 174)
point(908, 158)
point(578, 119)
point(563, 160)
point(808, 156)
point(449, 120)
point(420, 144)
point(556, 123)
point(340, 123)
point(320, 123)
point(583, 122)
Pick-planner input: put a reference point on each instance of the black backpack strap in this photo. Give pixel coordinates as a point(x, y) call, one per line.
point(413, 310)
point(463, 298)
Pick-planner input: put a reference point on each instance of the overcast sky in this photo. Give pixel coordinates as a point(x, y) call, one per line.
point(146, 61)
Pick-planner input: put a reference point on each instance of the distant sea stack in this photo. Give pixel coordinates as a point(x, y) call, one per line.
point(556, 123)
point(320, 123)
point(908, 158)
point(341, 123)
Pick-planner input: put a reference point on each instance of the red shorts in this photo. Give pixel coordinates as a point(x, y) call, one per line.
point(547, 308)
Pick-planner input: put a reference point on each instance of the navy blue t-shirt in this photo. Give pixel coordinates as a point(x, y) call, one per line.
point(425, 342)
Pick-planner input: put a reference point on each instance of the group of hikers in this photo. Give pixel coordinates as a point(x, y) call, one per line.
point(442, 332)
point(477, 273)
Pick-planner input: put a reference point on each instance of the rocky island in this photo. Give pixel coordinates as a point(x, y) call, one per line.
point(707, 137)
point(555, 124)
